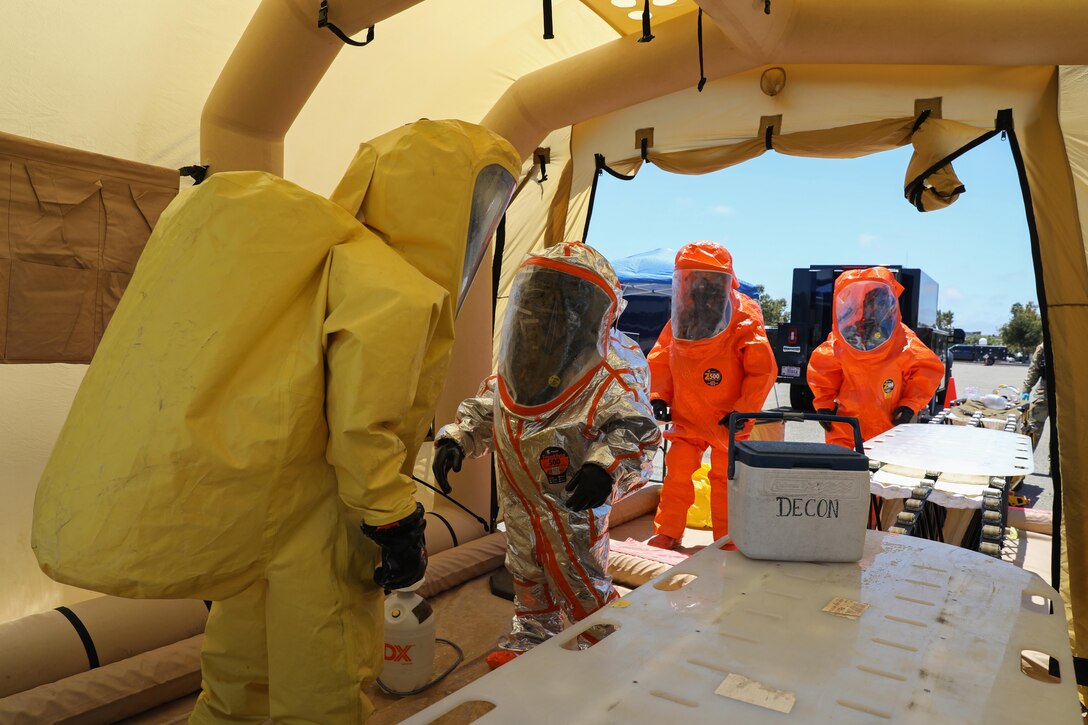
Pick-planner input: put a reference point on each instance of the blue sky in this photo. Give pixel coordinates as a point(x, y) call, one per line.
point(778, 212)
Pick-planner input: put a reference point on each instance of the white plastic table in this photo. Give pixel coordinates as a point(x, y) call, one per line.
point(939, 641)
point(953, 450)
point(966, 461)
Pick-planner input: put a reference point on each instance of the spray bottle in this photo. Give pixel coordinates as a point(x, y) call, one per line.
point(409, 641)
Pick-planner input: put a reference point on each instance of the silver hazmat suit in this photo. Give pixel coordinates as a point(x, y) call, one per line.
point(569, 391)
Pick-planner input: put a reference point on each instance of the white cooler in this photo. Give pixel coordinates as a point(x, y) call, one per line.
point(796, 501)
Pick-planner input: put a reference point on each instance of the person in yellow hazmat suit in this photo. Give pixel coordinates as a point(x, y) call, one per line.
point(247, 428)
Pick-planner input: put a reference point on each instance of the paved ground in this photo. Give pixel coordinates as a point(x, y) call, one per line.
point(1038, 487)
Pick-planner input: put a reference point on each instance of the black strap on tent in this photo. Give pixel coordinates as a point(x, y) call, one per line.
point(699, 35)
point(766, 7)
point(494, 494)
point(197, 171)
point(84, 635)
point(602, 166)
point(768, 134)
point(644, 147)
point(1003, 122)
point(919, 121)
point(323, 22)
point(647, 36)
point(1080, 669)
point(543, 161)
point(548, 30)
point(496, 275)
point(598, 160)
point(496, 267)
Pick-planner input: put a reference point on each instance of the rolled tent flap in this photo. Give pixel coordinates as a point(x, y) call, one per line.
point(842, 142)
point(931, 181)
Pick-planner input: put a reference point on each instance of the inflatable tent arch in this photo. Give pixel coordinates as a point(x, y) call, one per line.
point(854, 75)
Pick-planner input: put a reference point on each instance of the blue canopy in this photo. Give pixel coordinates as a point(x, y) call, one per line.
point(651, 273)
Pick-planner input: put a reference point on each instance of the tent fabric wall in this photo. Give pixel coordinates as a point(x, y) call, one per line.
point(35, 400)
point(1064, 247)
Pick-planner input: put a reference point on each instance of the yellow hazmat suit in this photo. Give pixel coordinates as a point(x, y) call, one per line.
point(261, 390)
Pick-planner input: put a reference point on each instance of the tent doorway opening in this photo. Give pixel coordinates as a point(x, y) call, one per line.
point(793, 223)
point(783, 218)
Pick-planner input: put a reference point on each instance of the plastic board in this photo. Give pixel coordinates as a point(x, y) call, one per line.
point(916, 632)
point(953, 449)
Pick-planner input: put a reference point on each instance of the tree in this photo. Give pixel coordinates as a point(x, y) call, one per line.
point(944, 319)
point(774, 308)
point(1024, 330)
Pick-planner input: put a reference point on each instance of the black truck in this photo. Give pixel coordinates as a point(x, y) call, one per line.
point(810, 322)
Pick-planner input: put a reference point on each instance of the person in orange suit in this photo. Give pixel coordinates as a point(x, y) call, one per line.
point(711, 359)
point(872, 366)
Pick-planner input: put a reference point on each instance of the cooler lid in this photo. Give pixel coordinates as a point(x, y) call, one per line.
point(799, 454)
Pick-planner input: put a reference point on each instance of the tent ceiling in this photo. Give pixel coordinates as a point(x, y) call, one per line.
point(625, 16)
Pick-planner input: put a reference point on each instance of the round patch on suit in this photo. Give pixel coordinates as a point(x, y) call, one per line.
point(555, 462)
point(712, 376)
point(889, 386)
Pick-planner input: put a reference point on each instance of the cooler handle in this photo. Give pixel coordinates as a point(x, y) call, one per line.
point(794, 416)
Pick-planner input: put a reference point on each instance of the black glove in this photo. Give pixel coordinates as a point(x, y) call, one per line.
point(738, 427)
point(404, 553)
point(902, 415)
point(826, 423)
point(661, 410)
point(591, 487)
point(447, 457)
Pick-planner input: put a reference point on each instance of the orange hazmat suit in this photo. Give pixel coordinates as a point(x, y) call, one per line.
point(871, 364)
point(711, 359)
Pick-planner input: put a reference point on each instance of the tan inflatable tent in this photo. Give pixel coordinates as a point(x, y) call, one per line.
point(801, 77)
